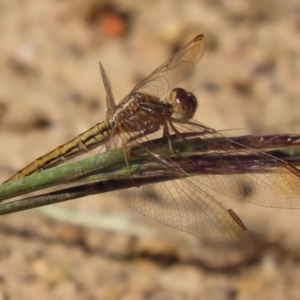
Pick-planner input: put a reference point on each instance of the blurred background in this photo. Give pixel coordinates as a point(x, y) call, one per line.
point(51, 90)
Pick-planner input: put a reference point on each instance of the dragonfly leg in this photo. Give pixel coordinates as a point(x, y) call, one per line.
point(126, 148)
point(166, 133)
point(175, 130)
point(140, 135)
point(126, 151)
point(204, 128)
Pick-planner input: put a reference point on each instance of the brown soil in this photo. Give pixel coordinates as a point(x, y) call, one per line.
point(51, 90)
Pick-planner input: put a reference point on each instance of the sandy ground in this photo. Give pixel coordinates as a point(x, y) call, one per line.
point(51, 90)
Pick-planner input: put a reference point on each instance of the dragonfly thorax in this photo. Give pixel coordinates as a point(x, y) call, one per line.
point(141, 112)
point(184, 105)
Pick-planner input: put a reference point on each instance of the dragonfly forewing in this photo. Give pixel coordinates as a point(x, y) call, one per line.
point(174, 70)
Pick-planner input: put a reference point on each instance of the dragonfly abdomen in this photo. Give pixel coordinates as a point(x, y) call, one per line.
point(88, 140)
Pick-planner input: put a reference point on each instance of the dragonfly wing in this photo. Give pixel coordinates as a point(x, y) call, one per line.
point(112, 143)
point(232, 169)
point(165, 77)
point(241, 172)
point(274, 188)
point(110, 100)
point(182, 205)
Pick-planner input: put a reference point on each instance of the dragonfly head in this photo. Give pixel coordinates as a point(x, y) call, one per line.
point(184, 105)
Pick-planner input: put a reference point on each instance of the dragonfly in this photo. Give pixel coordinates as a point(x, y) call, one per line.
point(188, 203)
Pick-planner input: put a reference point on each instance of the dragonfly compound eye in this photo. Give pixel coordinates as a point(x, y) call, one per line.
point(184, 105)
